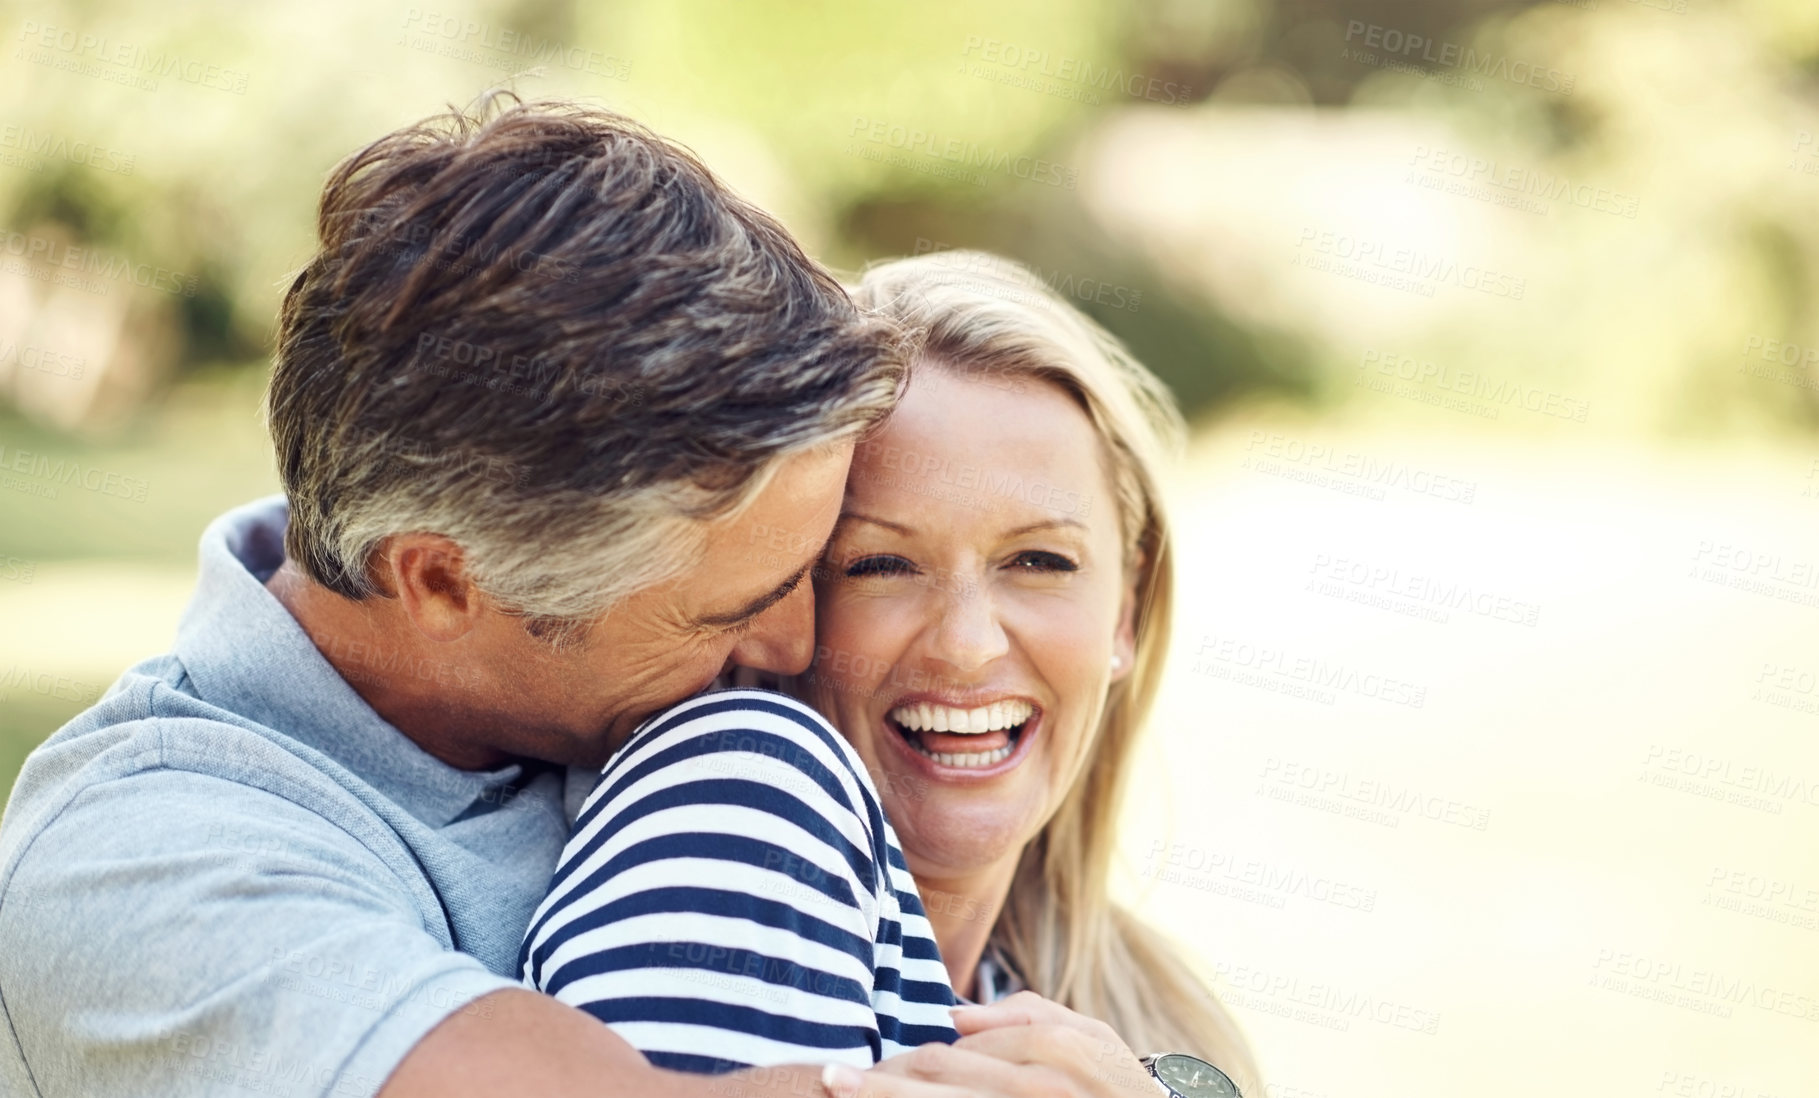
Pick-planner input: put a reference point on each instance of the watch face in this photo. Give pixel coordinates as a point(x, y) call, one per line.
point(1192, 1077)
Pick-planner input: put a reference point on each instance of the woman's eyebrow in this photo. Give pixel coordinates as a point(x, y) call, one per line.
point(860, 517)
point(1027, 528)
point(1045, 524)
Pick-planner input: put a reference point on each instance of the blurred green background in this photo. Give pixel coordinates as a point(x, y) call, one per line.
point(1517, 235)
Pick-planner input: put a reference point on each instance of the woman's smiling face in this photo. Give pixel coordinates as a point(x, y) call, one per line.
point(970, 607)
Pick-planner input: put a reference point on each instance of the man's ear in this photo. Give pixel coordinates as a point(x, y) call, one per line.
point(427, 574)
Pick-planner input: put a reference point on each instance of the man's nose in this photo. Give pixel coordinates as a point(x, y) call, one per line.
point(783, 637)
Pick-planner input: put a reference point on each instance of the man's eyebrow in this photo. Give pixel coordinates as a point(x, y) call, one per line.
point(758, 605)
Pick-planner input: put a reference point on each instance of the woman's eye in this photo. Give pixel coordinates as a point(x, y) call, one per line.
point(1035, 560)
point(878, 566)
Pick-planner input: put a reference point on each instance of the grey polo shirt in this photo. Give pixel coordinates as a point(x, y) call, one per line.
point(231, 876)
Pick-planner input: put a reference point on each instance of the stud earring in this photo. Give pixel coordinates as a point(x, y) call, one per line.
point(1117, 661)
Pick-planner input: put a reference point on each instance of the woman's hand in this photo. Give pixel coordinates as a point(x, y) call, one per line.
point(1025, 1028)
point(1025, 1046)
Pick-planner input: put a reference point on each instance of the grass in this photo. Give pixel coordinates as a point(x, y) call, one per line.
point(25, 720)
point(200, 451)
point(91, 581)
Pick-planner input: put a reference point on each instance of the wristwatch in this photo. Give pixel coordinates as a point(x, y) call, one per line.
point(1185, 1076)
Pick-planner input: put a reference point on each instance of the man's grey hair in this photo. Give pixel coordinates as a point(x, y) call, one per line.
point(556, 339)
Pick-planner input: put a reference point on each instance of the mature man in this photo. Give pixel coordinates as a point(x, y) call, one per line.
point(541, 393)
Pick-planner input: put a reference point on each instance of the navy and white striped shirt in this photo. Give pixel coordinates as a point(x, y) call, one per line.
point(732, 896)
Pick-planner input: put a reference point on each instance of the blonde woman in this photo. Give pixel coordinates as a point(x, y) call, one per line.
point(992, 612)
point(992, 617)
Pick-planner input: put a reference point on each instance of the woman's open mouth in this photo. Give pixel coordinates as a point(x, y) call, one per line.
point(967, 739)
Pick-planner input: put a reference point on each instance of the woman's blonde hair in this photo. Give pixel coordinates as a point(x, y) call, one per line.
point(981, 316)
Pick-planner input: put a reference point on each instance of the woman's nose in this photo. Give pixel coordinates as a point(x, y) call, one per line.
point(969, 635)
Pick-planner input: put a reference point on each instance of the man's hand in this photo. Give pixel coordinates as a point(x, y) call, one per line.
point(523, 1043)
point(527, 1043)
point(1027, 1047)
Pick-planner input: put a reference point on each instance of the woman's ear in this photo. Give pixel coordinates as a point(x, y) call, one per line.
point(1124, 637)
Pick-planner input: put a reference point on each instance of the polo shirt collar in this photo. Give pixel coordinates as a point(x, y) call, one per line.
point(245, 654)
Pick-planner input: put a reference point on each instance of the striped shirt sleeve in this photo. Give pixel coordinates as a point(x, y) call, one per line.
point(726, 898)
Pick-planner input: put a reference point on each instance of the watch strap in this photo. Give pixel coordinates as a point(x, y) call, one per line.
point(1149, 1065)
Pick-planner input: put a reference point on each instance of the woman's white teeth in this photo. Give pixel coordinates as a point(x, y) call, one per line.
point(966, 758)
point(924, 717)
